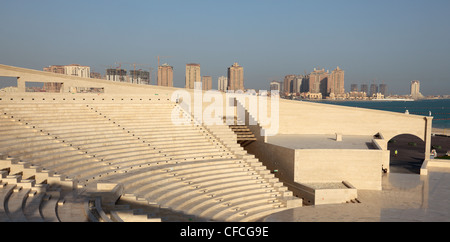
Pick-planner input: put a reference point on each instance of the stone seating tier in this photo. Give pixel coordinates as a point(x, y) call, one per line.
point(136, 145)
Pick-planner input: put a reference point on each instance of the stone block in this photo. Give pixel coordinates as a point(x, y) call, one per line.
point(109, 192)
point(338, 137)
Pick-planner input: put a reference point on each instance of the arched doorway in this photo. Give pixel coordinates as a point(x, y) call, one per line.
point(410, 154)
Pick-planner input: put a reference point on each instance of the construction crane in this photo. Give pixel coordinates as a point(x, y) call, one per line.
point(139, 64)
point(162, 57)
point(120, 65)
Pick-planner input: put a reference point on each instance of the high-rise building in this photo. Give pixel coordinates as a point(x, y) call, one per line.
point(297, 84)
point(373, 89)
point(288, 84)
point(354, 88)
point(304, 86)
point(140, 77)
point(383, 89)
point(365, 88)
point(78, 70)
point(55, 69)
point(165, 76)
point(206, 83)
point(117, 75)
point(335, 82)
point(192, 75)
point(292, 83)
point(222, 83)
point(236, 77)
point(318, 80)
point(415, 89)
point(72, 70)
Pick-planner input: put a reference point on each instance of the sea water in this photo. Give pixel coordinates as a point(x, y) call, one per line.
point(438, 108)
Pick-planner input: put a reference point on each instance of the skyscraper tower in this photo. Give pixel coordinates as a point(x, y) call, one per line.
point(222, 83)
point(206, 83)
point(236, 77)
point(373, 89)
point(383, 89)
point(365, 88)
point(165, 75)
point(415, 89)
point(192, 75)
point(318, 80)
point(140, 77)
point(287, 83)
point(335, 82)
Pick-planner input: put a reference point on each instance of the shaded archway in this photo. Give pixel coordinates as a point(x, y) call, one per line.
point(410, 154)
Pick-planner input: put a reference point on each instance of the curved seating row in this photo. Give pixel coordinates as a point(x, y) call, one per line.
point(53, 200)
point(183, 169)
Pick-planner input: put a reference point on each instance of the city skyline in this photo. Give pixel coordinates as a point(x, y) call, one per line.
point(395, 42)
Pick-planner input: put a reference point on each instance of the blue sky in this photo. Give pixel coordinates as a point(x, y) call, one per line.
point(394, 41)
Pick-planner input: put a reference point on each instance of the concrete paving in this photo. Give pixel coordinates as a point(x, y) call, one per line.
point(404, 198)
point(305, 141)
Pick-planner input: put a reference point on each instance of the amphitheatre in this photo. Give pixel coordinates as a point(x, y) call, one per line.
point(115, 155)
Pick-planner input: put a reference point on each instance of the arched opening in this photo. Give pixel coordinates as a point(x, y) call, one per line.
point(407, 153)
point(8, 84)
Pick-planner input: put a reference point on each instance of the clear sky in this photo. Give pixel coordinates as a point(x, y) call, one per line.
point(394, 41)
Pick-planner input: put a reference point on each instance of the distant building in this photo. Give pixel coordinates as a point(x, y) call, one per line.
point(72, 70)
point(222, 83)
point(53, 86)
point(288, 83)
point(378, 96)
point(117, 75)
point(206, 83)
point(274, 85)
point(192, 75)
point(335, 82)
point(292, 83)
point(78, 70)
point(165, 76)
point(354, 88)
point(373, 89)
point(140, 77)
point(297, 84)
point(55, 69)
point(96, 75)
point(318, 80)
point(357, 95)
point(314, 95)
point(383, 89)
point(415, 89)
point(236, 77)
point(365, 88)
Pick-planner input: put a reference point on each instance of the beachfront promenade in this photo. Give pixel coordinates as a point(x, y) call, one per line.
point(117, 155)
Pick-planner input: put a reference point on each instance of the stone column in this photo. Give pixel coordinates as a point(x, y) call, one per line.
point(21, 85)
point(428, 122)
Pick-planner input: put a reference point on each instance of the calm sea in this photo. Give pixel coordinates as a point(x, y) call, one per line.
point(439, 108)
